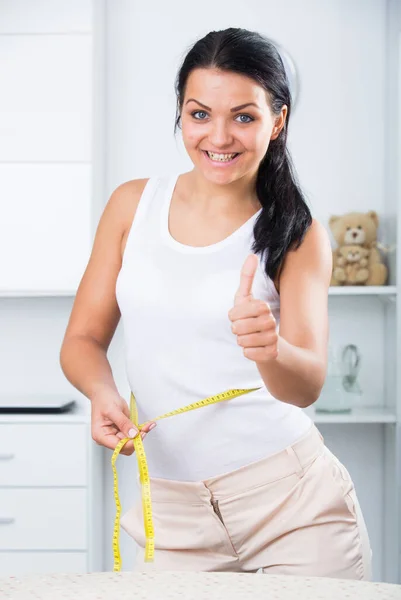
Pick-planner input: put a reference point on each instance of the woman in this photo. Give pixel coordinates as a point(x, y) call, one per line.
point(221, 276)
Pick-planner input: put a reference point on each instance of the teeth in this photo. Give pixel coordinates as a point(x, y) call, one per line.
point(221, 157)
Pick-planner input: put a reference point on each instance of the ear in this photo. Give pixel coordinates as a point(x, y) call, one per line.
point(280, 122)
point(333, 219)
point(372, 214)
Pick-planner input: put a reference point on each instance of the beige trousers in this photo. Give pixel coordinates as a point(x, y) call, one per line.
point(294, 512)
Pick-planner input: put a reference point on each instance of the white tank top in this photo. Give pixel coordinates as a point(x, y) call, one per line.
point(179, 348)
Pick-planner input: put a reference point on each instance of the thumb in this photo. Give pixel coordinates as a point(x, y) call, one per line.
point(123, 423)
point(247, 276)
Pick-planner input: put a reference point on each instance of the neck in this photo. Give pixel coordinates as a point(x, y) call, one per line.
point(238, 197)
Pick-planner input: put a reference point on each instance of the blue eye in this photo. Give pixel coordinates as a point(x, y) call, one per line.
point(197, 112)
point(247, 117)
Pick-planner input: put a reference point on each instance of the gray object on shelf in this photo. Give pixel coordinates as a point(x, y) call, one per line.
point(35, 403)
point(351, 364)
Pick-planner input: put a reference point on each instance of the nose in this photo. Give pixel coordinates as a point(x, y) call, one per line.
point(220, 136)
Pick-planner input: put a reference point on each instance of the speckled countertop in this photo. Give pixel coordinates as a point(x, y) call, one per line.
point(190, 586)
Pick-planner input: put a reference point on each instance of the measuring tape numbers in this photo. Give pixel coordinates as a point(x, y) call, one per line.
point(144, 472)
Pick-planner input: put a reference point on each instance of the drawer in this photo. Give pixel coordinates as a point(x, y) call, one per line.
point(41, 563)
point(43, 454)
point(43, 519)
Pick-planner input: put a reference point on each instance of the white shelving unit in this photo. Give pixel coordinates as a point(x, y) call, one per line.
point(376, 419)
point(372, 315)
point(378, 410)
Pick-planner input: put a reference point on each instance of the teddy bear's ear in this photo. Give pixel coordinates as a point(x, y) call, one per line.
point(333, 219)
point(372, 214)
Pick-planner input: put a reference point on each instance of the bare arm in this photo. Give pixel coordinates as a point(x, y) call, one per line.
point(95, 313)
point(85, 364)
point(94, 319)
point(298, 372)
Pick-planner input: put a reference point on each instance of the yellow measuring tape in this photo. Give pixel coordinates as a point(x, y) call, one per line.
point(144, 473)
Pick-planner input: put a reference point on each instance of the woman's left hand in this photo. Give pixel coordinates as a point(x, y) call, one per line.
point(252, 320)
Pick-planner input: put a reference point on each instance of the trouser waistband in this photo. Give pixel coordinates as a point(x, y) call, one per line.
point(292, 460)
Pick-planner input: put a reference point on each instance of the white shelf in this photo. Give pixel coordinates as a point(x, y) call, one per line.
point(363, 290)
point(357, 415)
point(372, 290)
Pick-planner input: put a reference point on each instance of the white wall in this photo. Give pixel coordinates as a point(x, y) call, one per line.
point(337, 138)
point(336, 134)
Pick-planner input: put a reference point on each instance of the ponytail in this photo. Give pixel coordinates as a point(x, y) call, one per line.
point(285, 216)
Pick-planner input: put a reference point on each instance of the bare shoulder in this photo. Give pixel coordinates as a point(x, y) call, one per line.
point(316, 239)
point(95, 312)
point(313, 255)
point(123, 203)
point(131, 189)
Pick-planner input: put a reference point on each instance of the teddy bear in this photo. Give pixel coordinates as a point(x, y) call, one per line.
point(357, 229)
point(350, 267)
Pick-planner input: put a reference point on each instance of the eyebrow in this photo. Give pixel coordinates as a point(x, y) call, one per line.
point(231, 109)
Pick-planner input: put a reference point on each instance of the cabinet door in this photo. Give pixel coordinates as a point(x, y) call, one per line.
point(46, 100)
point(45, 229)
point(31, 563)
point(34, 455)
point(43, 519)
point(46, 161)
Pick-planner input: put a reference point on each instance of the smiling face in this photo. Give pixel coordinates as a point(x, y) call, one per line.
point(215, 120)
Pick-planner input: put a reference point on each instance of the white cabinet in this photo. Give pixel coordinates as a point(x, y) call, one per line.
point(51, 196)
point(50, 495)
point(43, 519)
point(49, 123)
point(43, 455)
point(41, 563)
